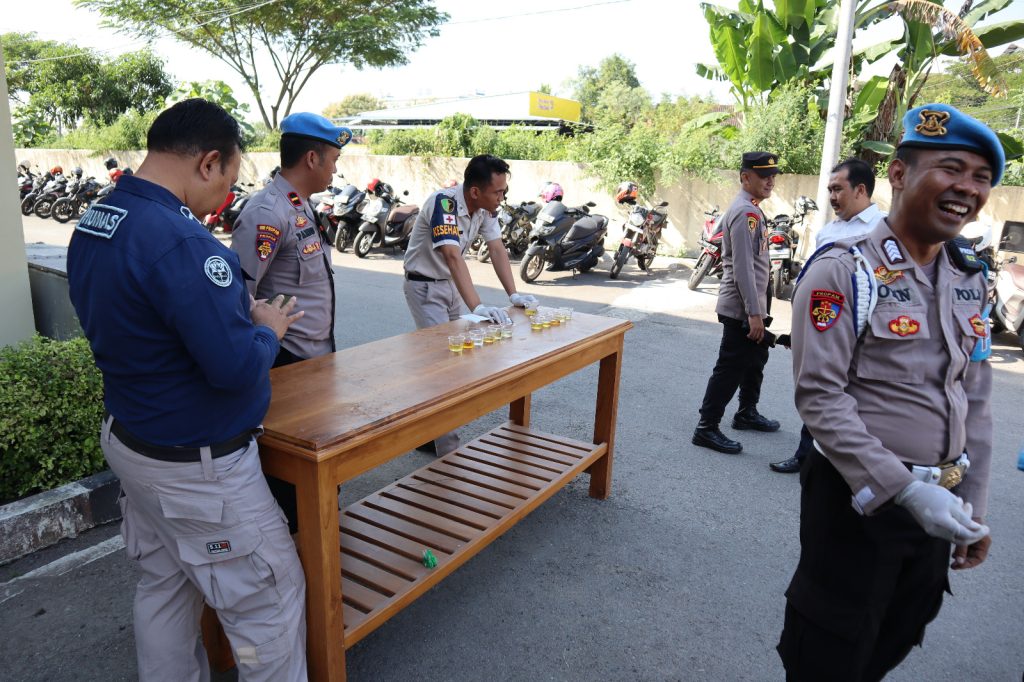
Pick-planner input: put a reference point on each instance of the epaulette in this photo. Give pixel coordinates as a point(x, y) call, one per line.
point(961, 253)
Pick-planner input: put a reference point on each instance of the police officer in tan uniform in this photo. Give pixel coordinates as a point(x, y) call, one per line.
point(742, 308)
point(890, 340)
point(279, 241)
point(438, 286)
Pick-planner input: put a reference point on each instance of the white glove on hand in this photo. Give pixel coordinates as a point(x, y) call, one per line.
point(523, 300)
point(495, 313)
point(941, 513)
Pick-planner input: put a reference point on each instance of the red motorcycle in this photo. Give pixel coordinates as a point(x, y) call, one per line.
point(710, 260)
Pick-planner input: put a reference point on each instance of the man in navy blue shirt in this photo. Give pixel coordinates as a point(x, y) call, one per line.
point(185, 354)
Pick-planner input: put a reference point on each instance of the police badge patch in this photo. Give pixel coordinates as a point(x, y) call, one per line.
point(979, 325)
point(752, 220)
point(904, 326)
point(826, 307)
point(886, 276)
point(218, 271)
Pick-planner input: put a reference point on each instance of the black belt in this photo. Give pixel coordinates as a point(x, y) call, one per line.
point(171, 453)
point(416, 277)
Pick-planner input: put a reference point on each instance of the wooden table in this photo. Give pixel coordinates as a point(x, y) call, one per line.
point(337, 416)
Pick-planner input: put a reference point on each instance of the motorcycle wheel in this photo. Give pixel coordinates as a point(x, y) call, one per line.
point(531, 267)
point(483, 254)
point(62, 210)
point(778, 286)
point(995, 326)
point(340, 242)
point(699, 271)
point(43, 208)
point(621, 256)
point(26, 206)
point(364, 242)
point(645, 263)
point(83, 206)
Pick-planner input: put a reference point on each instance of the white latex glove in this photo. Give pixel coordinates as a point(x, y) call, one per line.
point(523, 300)
point(941, 513)
point(496, 314)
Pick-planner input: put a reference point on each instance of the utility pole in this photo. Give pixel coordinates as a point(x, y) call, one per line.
point(834, 122)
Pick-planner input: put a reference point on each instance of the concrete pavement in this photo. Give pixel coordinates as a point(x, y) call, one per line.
point(679, 575)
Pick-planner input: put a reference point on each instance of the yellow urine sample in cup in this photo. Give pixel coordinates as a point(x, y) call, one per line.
point(506, 333)
point(455, 347)
point(536, 325)
point(555, 322)
point(546, 323)
point(530, 312)
point(488, 340)
point(467, 344)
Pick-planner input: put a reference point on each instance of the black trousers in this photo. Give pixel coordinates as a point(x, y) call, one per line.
point(283, 491)
point(865, 587)
point(806, 444)
point(740, 366)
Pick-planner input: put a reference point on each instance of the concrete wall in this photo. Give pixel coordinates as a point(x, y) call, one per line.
point(688, 197)
point(16, 303)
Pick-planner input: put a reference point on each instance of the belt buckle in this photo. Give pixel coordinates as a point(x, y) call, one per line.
point(950, 477)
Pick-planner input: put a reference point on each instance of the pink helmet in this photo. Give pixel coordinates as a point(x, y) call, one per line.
point(551, 192)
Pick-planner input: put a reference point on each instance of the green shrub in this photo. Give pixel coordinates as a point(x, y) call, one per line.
point(127, 132)
point(51, 406)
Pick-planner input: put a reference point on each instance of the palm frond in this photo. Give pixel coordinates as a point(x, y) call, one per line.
point(958, 32)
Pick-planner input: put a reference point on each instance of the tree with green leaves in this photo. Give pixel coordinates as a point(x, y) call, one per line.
point(297, 37)
point(218, 92)
point(592, 85)
point(353, 104)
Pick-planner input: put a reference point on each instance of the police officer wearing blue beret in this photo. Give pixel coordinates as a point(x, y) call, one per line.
point(890, 361)
point(280, 243)
point(185, 354)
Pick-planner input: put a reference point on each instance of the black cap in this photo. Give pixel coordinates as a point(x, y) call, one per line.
point(762, 163)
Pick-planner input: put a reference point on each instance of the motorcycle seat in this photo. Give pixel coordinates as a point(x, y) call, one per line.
point(1016, 271)
point(403, 213)
point(585, 227)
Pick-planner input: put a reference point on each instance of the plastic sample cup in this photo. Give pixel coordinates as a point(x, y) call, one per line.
point(478, 338)
point(530, 311)
point(536, 324)
point(493, 333)
point(455, 343)
point(506, 330)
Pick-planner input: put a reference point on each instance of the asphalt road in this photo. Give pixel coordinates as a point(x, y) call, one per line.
point(679, 575)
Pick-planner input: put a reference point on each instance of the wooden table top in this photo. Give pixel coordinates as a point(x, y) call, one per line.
point(322, 402)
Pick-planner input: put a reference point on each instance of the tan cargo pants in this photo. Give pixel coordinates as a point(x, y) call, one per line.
point(210, 531)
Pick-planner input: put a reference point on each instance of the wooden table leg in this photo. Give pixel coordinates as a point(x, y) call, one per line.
point(320, 551)
point(519, 411)
point(604, 421)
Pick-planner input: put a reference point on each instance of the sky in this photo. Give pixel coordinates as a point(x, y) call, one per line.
point(487, 48)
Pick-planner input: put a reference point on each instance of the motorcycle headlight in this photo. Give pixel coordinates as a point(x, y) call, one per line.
point(373, 207)
point(636, 219)
point(504, 217)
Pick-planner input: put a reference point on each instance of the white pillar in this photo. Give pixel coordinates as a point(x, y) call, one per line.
point(834, 121)
point(17, 323)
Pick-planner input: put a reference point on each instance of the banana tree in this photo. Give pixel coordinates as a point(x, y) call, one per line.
point(930, 32)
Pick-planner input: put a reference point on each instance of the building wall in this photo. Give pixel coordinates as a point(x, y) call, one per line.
point(688, 197)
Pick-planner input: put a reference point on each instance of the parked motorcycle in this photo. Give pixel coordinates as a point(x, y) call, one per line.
point(783, 237)
point(38, 185)
point(225, 215)
point(564, 238)
point(710, 260)
point(75, 205)
point(516, 224)
point(26, 180)
point(340, 213)
point(1008, 294)
point(60, 186)
point(641, 231)
point(386, 221)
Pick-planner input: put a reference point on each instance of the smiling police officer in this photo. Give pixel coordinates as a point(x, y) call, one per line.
point(279, 241)
point(185, 354)
point(890, 347)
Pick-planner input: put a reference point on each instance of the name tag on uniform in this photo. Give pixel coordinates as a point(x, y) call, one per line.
point(303, 234)
point(101, 220)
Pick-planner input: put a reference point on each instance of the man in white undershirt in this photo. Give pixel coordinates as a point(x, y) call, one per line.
point(849, 191)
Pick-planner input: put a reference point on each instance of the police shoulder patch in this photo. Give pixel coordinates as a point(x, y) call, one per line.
point(893, 251)
point(294, 198)
point(218, 271)
point(101, 220)
point(826, 307)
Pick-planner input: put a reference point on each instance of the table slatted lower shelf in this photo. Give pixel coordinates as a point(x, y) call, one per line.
point(454, 507)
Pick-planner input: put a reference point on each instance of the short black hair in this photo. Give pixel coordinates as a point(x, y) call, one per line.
point(907, 155)
point(294, 147)
point(859, 173)
point(195, 126)
point(482, 168)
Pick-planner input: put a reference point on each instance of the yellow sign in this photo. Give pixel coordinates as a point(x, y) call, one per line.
point(554, 107)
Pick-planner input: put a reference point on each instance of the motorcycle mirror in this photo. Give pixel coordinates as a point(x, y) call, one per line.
point(405, 193)
point(663, 204)
point(591, 204)
point(530, 203)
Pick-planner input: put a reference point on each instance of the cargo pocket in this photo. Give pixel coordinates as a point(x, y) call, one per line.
point(229, 568)
point(887, 353)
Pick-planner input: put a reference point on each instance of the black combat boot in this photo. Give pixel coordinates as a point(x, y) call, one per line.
point(750, 418)
point(707, 435)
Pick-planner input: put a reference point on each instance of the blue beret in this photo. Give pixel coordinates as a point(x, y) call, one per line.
point(315, 127)
point(940, 126)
